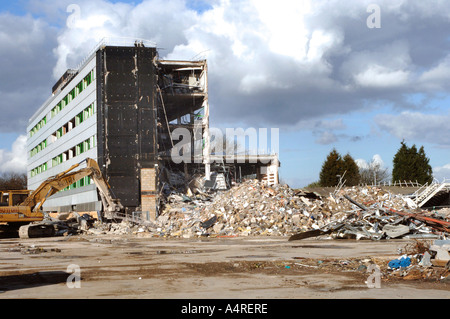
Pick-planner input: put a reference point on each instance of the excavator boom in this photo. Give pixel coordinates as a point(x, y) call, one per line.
point(30, 208)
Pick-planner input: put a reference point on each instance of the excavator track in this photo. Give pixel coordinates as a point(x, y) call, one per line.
point(36, 231)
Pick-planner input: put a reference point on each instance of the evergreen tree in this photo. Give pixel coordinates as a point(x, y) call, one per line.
point(411, 164)
point(331, 168)
point(424, 171)
point(400, 163)
point(351, 170)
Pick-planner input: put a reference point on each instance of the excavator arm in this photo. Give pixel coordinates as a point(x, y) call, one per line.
point(110, 204)
point(64, 179)
point(36, 199)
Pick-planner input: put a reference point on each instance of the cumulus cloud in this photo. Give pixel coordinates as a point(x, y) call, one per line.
point(376, 161)
point(442, 173)
point(269, 64)
point(286, 64)
point(14, 160)
point(276, 65)
point(436, 77)
point(387, 67)
point(159, 21)
point(432, 128)
point(25, 82)
point(271, 68)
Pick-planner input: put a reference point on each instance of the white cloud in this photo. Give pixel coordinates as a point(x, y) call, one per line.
point(269, 64)
point(26, 63)
point(362, 164)
point(376, 160)
point(162, 22)
point(382, 77)
point(437, 77)
point(442, 173)
point(285, 30)
point(387, 66)
point(326, 138)
point(14, 160)
point(432, 128)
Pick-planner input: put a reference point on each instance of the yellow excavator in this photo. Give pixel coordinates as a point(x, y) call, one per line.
point(27, 216)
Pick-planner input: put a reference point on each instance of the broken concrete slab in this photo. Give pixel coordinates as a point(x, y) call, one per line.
point(442, 250)
point(395, 231)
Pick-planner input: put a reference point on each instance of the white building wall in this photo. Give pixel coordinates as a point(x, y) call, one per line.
point(86, 130)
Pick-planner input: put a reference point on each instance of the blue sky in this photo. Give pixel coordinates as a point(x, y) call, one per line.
point(313, 69)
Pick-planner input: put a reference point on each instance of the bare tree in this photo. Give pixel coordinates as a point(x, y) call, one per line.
point(223, 145)
point(373, 173)
point(13, 181)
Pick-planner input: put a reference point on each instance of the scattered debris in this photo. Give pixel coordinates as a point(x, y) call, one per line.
point(254, 209)
point(441, 250)
point(32, 249)
point(416, 265)
point(420, 263)
point(402, 262)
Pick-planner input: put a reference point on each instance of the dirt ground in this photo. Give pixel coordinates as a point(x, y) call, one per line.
point(131, 267)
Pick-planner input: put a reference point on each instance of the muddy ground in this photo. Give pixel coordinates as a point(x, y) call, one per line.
point(131, 267)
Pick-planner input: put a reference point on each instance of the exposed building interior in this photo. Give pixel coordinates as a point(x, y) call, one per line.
point(135, 106)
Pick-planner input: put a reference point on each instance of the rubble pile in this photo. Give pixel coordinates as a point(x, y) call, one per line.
point(249, 208)
point(253, 209)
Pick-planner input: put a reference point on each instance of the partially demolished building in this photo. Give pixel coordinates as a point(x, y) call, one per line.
point(117, 108)
point(120, 108)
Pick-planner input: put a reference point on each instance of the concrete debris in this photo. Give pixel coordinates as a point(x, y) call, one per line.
point(122, 228)
point(394, 231)
point(67, 224)
point(431, 264)
point(441, 249)
point(254, 209)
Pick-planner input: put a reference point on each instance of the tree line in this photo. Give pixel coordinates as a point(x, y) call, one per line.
point(13, 181)
point(409, 163)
